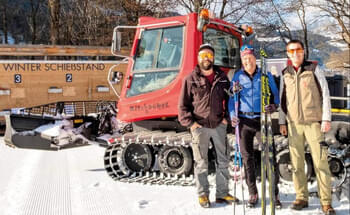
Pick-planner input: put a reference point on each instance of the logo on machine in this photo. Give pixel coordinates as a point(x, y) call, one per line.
point(149, 107)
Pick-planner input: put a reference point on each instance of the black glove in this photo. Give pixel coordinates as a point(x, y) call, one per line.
point(270, 108)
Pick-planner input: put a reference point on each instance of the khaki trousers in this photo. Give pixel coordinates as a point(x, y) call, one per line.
point(311, 132)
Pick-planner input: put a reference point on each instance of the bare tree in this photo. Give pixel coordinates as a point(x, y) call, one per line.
point(230, 10)
point(88, 22)
point(37, 8)
point(234, 11)
point(133, 9)
point(269, 17)
point(275, 16)
point(12, 21)
point(4, 19)
point(195, 5)
point(54, 7)
point(339, 10)
point(282, 26)
point(300, 9)
point(92, 22)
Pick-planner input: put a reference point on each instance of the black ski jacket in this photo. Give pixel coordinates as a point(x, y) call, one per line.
point(203, 102)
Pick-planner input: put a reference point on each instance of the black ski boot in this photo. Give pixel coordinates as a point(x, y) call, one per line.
point(253, 200)
point(278, 204)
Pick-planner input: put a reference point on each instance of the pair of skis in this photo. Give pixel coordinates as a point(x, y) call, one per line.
point(267, 140)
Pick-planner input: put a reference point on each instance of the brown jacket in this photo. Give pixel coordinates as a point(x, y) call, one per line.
point(303, 95)
point(201, 102)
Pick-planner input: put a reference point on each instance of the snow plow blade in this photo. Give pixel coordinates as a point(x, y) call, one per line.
point(34, 132)
point(62, 126)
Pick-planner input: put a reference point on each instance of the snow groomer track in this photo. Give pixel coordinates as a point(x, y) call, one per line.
point(173, 154)
point(131, 158)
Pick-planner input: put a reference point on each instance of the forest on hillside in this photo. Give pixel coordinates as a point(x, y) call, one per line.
point(91, 22)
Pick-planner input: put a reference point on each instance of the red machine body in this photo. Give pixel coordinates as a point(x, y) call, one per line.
point(173, 36)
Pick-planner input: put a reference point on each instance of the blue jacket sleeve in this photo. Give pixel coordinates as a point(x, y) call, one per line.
point(231, 101)
point(274, 89)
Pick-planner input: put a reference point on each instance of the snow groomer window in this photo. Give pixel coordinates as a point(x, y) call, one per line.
point(157, 61)
point(226, 48)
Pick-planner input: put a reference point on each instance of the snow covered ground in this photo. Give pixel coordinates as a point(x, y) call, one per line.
point(74, 182)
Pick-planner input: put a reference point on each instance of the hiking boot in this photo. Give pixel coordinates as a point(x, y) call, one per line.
point(253, 200)
point(278, 204)
point(204, 201)
point(228, 199)
point(328, 210)
point(299, 204)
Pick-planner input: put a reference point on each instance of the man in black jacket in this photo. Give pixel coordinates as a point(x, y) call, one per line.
point(202, 108)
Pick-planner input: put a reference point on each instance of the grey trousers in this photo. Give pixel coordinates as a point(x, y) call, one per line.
point(200, 145)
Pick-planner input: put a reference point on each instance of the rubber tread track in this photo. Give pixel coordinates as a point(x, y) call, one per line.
point(119, 172)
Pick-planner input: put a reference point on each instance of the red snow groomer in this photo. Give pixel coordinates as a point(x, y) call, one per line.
point(164, 52)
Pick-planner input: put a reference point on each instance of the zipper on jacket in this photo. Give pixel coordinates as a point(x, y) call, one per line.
point(211, 93)
point(301, 119)
point(252, 86)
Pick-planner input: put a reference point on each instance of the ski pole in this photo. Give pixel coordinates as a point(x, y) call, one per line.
point(236, 89)
point(235, 177)
point(241, 169)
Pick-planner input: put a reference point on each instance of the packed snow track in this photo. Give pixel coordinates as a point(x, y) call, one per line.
point(74, 182)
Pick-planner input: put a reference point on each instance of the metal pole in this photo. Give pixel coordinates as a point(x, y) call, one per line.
point(348, 94)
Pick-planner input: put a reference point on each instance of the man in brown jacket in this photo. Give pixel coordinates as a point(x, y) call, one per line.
point(202, 108)
point(305, 105)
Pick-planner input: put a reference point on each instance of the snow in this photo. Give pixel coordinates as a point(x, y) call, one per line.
point(11, 40)
point(74, 182)
point(341, 45)
point(268, 39)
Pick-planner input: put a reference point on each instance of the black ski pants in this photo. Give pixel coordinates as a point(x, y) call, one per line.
point(248, 128)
